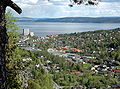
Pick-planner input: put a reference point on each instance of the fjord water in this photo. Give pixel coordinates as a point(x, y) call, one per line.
point(46, 28)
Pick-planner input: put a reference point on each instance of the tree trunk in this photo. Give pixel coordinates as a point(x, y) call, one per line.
point(3, 41)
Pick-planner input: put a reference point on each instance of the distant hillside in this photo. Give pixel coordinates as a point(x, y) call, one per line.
point(73, 19)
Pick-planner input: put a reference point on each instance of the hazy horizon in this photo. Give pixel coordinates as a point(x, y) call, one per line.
point(72, 17)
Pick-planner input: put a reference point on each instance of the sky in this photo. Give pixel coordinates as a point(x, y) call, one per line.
point(60, 8)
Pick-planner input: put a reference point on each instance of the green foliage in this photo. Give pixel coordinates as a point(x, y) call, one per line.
point(16, 67)
point(84, 78)
point(13, 68)
point(11, 22)
point(39, 79)
point(94, 43)
point(33, 85)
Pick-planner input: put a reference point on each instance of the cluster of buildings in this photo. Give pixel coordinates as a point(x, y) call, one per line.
point(105, 67)
point(40, 40)
point(69, 49)
point(26, 34)
point(49, 65)
point(70, 56)
point(52, 35)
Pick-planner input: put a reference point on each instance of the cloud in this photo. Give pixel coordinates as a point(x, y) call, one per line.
point(111, 0)
point(26, 1)
point(60, 8)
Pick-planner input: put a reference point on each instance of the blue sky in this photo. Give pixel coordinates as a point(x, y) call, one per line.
point(60, 8)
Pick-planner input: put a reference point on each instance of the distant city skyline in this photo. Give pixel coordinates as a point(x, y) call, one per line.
point(60, 8)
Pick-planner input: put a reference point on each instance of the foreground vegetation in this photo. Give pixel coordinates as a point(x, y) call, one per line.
point(23, 74)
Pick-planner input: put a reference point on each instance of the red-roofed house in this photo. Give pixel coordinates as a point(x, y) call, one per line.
point(52, 35)
point(77, 50)
point(116, 71)
point(61, 48)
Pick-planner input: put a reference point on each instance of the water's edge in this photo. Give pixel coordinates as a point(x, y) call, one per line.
point(45, 28)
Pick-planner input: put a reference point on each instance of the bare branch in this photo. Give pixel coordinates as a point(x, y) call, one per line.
point(85, 2)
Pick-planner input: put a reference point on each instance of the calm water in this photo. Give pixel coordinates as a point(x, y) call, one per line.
point(45, 28)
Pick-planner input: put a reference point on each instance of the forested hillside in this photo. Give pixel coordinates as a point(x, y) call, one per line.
point(102, 43)
point(21, 65)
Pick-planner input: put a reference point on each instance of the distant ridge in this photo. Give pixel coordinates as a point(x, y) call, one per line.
point(72, 19)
